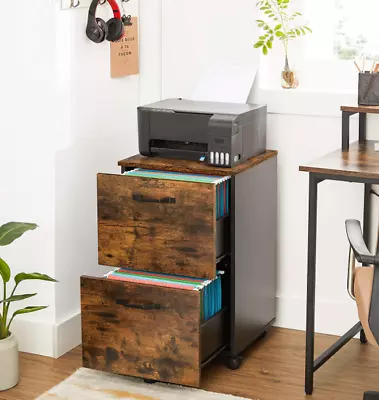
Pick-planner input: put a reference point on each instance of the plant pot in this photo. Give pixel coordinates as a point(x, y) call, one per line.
point(9, 369)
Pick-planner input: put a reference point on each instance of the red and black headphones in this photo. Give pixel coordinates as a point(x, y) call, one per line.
point(98, 30)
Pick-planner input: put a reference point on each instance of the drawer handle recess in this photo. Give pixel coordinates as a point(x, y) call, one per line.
point(146, 199)
point(144, 307)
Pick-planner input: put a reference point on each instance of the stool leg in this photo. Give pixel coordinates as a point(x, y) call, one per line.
point(363, 337)
point(366, 227)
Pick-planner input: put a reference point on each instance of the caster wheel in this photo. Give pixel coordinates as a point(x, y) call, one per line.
point(149, 381)
point(263, 335)
point(234, 362)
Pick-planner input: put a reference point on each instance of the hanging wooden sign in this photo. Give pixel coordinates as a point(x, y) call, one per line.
point(125, 52)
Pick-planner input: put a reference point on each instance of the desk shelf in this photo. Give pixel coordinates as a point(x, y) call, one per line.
point(347, 112)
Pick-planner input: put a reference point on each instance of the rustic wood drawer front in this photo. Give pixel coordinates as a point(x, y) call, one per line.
point(157, 225)
point(140, 330)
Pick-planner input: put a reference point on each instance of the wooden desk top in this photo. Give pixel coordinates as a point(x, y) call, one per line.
point(361, 109)
point(197, 167)
point(360, 161)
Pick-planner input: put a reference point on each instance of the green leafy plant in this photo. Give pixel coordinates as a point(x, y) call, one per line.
point(280, 25)
point(8, 234)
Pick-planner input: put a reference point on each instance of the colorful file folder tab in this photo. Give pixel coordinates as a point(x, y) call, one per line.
point(211, 290)
point(222, 184)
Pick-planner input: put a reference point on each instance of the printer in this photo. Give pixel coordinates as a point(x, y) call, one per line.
point(220, 134)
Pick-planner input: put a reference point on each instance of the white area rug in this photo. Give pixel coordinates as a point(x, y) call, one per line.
point(86, 384)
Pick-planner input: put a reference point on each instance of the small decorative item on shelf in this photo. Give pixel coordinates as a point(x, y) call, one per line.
point(368, 83)
point(9, 370)
point(281, 26)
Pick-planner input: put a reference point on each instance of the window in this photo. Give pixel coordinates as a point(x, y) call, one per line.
point(342, 30)
point(356, 29)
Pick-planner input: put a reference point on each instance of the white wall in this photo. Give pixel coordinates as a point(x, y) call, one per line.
point(63, 120)
point(100, 128)
point(307, 127)
point(26, 157)
point(301, 139)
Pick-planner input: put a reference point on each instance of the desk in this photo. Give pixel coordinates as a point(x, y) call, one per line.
point(357, 163)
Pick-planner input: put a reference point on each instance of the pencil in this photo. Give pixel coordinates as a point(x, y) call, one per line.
point(357, 66)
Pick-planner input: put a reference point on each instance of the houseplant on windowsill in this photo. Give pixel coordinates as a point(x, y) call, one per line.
point(282, 26)
point(9, 370)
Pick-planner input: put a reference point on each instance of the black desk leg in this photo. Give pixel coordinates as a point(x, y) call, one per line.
point(362, 126)
point(311, 283)
point(366, 226)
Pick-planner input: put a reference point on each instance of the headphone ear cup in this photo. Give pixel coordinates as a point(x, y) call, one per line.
point(115, 29)
point(103, 27)
point(96, 30)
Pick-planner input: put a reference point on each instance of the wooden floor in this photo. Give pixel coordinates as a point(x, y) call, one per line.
point(273, 370)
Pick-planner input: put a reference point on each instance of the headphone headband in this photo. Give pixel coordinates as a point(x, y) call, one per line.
point(112, 3)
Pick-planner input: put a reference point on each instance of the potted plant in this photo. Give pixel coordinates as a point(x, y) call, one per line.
point(9, 370)
point(282, 26)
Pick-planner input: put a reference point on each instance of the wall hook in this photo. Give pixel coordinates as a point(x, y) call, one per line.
point(75, 4)
point(126, 19)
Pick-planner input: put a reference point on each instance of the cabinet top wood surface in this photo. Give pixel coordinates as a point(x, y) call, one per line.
point(361, 109)
point(360, 161)
point(197, 167)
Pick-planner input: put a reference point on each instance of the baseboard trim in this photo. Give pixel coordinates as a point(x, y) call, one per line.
point(333, 318)
point(48, 339)
point(68, 335)
point(34, 336)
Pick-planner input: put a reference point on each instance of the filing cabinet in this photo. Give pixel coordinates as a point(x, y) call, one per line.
point(158, 333)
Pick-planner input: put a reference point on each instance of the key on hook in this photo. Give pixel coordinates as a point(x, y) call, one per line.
point(75, 4)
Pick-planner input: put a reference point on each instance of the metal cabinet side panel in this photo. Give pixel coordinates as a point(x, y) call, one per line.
point(254, 253)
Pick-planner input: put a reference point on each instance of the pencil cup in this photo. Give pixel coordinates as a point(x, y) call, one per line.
point(368, 89)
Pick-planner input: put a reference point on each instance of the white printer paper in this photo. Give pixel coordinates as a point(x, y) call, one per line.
point(230, 84)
